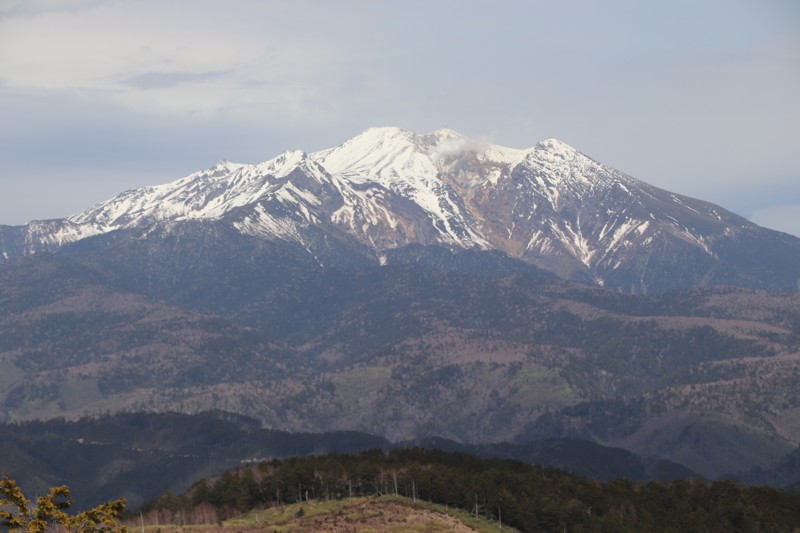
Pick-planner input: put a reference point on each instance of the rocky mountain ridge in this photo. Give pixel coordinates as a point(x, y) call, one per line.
point(548, 205)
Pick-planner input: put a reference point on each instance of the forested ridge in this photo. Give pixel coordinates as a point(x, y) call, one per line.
point(528, 497)
point(472, 347)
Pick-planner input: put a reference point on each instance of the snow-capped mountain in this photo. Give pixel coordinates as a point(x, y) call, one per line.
point(549, 205)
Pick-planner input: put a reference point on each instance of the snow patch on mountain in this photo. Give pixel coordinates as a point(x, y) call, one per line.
point(261, 223)
point(208, 194)
point(51, 234)
point(402, 162)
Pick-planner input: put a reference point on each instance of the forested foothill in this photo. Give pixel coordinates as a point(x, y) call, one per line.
point(527, 497)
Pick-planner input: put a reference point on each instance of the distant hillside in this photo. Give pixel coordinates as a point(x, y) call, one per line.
point(140, 456)
point(472, 346)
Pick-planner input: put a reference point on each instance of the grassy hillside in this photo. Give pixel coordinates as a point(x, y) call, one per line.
point(389, 514)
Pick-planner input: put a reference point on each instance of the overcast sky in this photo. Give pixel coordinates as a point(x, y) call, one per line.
point(698, 97)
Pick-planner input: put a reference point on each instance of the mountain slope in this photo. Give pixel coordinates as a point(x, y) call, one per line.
point(470, 345)
point(71, 342)
point(548, 205)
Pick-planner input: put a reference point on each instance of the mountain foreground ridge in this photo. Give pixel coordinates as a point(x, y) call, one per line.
point(548, 205)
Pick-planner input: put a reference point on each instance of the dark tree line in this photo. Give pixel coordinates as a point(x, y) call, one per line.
point(528, 497)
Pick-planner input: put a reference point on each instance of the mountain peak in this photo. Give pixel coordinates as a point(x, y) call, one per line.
point(383, 134)
point(373, 151)
point(446, 133)
point(285, 163)
point(224, 166)
point(556, 146)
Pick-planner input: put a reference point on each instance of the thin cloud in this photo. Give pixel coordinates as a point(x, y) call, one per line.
point(33, 8)
point(161, 80)
point(456, 145)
